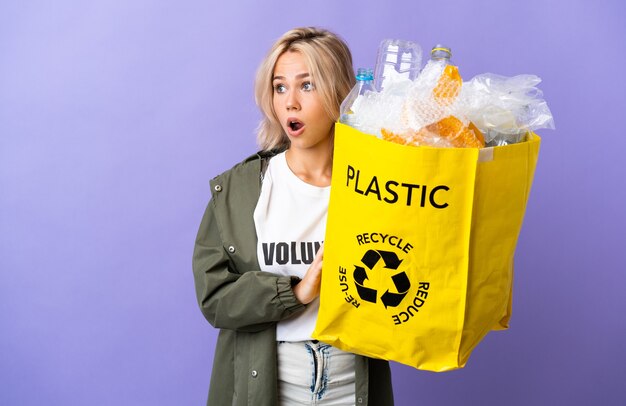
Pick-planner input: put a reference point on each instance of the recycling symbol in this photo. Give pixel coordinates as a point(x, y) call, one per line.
point(390, 261)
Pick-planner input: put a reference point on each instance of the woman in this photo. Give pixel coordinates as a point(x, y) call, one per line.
point(257, 278)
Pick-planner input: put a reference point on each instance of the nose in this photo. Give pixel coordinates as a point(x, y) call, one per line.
point(292, 103)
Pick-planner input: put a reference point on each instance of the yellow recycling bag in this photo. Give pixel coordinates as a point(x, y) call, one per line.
point(418, 254)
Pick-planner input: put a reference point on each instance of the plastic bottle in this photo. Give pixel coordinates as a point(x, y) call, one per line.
point(449, 82)
point(450, 129)
point(429, 111)
point(434, 91)
point(397, 60)
point(364, 83)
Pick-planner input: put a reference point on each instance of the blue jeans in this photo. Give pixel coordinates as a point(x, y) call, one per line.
point(314, 373)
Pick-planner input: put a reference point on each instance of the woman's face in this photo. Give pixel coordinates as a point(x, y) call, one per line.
point(298, 105)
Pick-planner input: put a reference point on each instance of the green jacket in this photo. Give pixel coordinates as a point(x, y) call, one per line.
point(245, 303)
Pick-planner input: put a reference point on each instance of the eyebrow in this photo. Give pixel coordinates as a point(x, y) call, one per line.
point(298, 76)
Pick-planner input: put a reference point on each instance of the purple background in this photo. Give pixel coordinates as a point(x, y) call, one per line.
point(115, 114)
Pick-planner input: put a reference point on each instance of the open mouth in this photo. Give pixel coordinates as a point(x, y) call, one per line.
point(295, 125)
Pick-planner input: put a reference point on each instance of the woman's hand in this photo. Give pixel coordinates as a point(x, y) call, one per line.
point(309, 287)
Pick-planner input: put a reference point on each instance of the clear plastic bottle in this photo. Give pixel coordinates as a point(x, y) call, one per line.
point(348, 112)
point(397, 60)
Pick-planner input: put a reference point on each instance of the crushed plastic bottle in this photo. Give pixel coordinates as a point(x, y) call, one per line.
point(397, 59)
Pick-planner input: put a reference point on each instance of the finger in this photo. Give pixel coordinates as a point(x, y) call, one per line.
point(320, 252)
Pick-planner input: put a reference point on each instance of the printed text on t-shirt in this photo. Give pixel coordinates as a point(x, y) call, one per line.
point(294, 252)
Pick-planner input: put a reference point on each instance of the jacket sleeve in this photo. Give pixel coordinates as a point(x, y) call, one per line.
point(232, 299)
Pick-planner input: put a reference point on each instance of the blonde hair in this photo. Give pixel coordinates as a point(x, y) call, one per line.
point(330, 63)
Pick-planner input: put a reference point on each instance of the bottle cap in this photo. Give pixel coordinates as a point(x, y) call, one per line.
point(441, 52)
point(364, 74)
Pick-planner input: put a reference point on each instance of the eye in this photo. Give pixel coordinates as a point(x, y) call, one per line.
point(279, 88)
point(308, 86)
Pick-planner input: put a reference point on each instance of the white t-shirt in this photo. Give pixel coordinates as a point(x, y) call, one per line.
point(290, 221)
